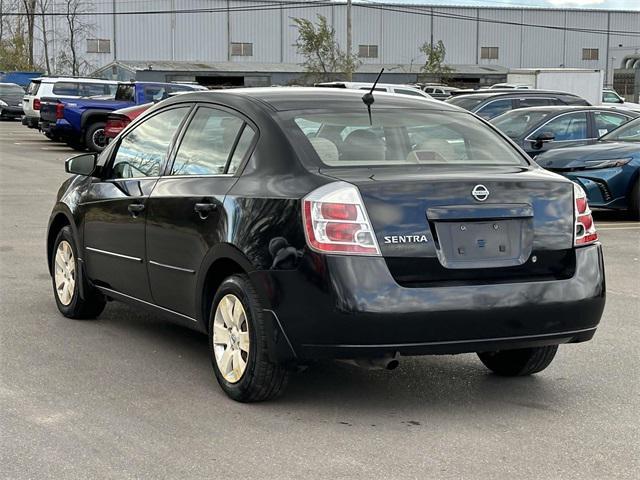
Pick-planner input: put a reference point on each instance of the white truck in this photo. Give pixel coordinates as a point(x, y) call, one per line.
point(586, 83)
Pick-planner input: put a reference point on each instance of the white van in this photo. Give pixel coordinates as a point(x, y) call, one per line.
point(380, 87)
point(68, 87)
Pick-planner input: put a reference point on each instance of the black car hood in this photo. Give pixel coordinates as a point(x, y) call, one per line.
point(569, 157)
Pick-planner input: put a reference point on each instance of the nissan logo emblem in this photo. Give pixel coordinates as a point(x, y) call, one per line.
point(480, 193)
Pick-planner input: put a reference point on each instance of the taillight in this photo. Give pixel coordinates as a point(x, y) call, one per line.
point(114, 126)
point(585, 232)
point(59, 111)
point(36, 104)
point(335, 221)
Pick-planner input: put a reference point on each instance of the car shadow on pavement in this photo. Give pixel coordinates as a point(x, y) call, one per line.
point(420, 385)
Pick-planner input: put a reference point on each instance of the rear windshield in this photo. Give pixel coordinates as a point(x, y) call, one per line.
point(32, 88)
point(468, 103)
point(518, 122)
point(11, 90)
point(403, 137)
point(629, 132)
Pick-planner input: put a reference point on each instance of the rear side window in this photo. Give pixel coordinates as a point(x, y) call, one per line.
point(94, 89)
point(467, 102)
point(142, 152)
point(534, 102)
point(571, 126)
point(32, 88)
point(66, 89)
point(207, 143)
point(608, 121)
point(403, 137)
point(495, 108)
point(126, 93)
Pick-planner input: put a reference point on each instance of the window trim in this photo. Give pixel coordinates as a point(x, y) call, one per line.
point(488, 50)
point(242, 49)
point(590, 55)
point(368, 47)
point(529, 138)
point(511, 99)
point(108, 166)
point(166, 172)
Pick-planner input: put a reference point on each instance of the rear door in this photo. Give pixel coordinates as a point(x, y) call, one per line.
point(185, 216)
point(606, 121)
point(115, 207)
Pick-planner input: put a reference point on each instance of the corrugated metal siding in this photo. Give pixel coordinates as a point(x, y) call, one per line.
point(621, 45)
point(576, 41)
point(508, 38)
point(290, 31)
point(367, 30)
point(542, 47)
point(402, 36)
point(260, 28)
point(202, 36)
point(459, 36)
point(144, 37)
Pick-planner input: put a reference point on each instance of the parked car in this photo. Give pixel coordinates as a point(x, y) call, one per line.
point(56, 87)
point(288, 227)
point(611, 97)
point(11, 100)
point(380, 87)
point(608, 169)
point(489, 104)
point(119, 119)
point(539, 129)
point(80, 122)
point(439, 92)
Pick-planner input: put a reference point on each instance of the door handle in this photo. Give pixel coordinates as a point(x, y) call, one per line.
point(204, 209)
point(135, 208)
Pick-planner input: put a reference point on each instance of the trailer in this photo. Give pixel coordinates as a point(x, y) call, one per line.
point(585, 83)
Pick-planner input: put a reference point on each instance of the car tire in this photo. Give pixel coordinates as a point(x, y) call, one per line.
point(94, 137)
point(245, 372)
point(66, 286)
point(634, 200)
point(519, 362)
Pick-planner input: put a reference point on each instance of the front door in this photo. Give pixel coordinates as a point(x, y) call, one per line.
point(567, 128)
point(115, 207)
point(186, 217)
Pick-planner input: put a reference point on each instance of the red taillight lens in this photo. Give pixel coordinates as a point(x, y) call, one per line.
point(59, 111)
point(585, 228)
point(335, 221)
point(339, 211)
point(36, 104)
point(114, 126)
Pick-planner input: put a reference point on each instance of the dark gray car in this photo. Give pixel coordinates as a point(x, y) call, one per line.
point(11, 100)
point(539, 129)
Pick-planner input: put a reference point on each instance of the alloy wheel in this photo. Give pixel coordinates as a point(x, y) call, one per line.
point(65, 272)
point(231, 338)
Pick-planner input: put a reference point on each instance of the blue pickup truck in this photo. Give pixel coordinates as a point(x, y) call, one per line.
point(80, 122)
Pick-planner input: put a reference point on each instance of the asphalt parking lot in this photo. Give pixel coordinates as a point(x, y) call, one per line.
point(132, 396)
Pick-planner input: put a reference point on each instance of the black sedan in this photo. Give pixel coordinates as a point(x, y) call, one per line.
point(11, 100)
point(539, 129)
point(292, 224)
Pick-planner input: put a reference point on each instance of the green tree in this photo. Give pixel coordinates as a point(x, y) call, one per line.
point(324, 60)
point(434, 59)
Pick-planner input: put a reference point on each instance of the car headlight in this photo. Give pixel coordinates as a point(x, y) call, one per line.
point(3, 103)
point(614, 162)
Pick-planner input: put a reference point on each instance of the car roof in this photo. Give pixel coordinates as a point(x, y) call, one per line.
point(73, 79)
point(512, 92)
point(571, 108)
point(307, 98)
point(367, 84)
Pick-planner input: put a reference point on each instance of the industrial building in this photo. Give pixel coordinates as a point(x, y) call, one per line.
point(252, 42)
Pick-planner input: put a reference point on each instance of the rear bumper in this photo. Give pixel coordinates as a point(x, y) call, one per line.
point(31, 122)
point(349, 307)
point(60, 128)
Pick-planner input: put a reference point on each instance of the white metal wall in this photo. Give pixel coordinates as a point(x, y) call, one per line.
point(205, 36)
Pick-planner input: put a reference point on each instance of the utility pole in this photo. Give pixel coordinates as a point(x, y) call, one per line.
point(349, 38)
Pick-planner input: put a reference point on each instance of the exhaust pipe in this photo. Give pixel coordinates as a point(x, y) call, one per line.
point(388, 362)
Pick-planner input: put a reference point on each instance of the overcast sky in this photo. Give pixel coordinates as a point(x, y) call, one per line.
point(612, 4)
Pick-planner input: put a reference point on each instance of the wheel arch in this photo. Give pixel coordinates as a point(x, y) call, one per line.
point(222, 261)
point(59, 219)
point(91, 116)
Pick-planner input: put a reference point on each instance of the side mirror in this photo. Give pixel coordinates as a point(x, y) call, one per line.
point(83, 164)
point(542, 138)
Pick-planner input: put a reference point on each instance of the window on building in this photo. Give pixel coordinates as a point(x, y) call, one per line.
point(239, 49)
point(590, 54)
point(98, 45)
point(489, 53)
point(368, 51)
